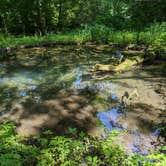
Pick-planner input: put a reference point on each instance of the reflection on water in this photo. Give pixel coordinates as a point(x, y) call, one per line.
point(133, 141)
point(136, 146)
point(78, 81)
point(110, 119)
point(32, 87)
point(156, 132)
point(4, 112)
point(23, 93)
point(21, 79)
point(113, 96)
point(31, 81)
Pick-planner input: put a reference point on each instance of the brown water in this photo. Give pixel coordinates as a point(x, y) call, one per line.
point(50, 88)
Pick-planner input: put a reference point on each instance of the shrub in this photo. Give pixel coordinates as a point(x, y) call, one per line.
point(100, 33)
point(70, 150)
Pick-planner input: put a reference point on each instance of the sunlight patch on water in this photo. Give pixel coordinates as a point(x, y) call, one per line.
point(22, 80)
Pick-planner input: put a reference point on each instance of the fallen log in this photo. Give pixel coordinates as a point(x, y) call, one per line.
point(121, 67)
point(133, 52)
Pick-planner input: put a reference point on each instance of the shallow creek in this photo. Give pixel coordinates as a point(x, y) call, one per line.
point(50, 88)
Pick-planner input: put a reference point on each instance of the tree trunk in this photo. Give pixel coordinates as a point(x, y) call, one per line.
point(5, 24)
point(39, 19)
point(59, 25)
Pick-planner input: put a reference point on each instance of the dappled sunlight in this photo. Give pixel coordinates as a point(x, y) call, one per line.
point(52, 89)
point(82, 83)
point(58, 114)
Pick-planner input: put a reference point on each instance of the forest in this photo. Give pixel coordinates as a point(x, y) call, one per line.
point(82, 82)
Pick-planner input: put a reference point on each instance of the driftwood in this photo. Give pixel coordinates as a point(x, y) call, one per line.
point(121, 67)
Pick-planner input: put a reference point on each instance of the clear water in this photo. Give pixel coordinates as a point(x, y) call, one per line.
point(51, 88)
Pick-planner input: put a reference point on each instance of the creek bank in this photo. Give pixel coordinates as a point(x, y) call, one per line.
point(6, 50)
point(126, 50)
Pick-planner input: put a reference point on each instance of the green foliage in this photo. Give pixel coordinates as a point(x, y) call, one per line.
point(158, 157)
point(94, 161)
point(153, 37)
point(69, 150)
point(142, 12)
point(100, 33)
point(10, 159)
point(122, 37)
point(45, 16)
point(12, 150)
point(84, 34)
point(72, 131)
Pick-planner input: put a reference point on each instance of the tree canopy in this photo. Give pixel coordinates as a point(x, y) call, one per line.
point(43, 16)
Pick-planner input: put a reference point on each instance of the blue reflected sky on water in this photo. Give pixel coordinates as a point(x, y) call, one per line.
point(110, 118)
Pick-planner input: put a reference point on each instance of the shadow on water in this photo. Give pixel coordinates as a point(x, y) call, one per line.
point(67, 110)
point(49, 88)
point(32, 83)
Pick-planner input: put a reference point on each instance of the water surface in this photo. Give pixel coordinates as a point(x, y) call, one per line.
point(50, 88)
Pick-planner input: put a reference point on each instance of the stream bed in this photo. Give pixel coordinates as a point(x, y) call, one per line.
point(50, 88)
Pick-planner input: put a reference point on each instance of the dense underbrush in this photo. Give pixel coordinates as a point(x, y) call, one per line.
point(75, 148)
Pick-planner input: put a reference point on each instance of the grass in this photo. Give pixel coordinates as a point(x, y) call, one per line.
point(153, 35)
point(13, 41)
